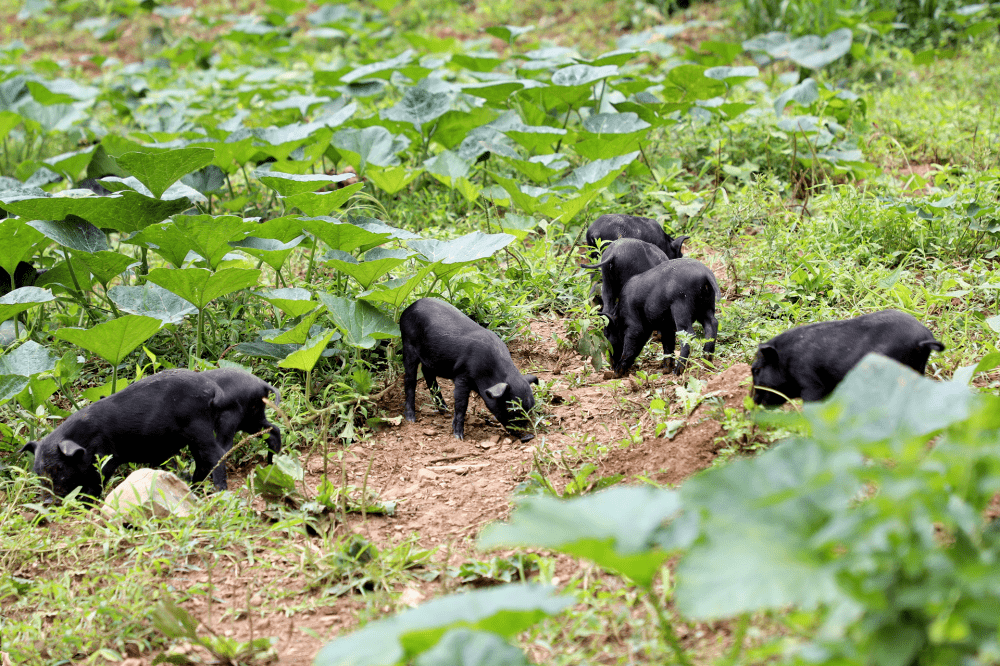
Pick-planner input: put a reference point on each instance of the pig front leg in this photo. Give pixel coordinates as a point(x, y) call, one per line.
point(206, 461)
point(462, 388)
point(635, 340)
point(711, 326)
point(668, 336)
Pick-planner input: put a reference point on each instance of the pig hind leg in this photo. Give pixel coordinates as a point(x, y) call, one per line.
point(683, 321)
point(711, 326)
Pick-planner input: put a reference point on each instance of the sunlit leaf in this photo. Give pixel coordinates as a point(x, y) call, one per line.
point(113, 340)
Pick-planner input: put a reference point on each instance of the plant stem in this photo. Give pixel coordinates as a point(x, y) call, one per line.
point(201, 332)
point(667, 630)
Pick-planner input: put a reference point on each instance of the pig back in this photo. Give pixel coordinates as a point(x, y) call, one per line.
point(446, 341)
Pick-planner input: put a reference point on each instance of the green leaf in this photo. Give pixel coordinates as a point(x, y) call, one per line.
point(592, 527)
point(27, 360)
point(206, 235)
point(462, 251)
point(477, 62)
point(582, 75)
point(418, 106)
point(113, 340)
point(161, 170)
point(287, 184)
point(732, 74)
point(804, 94)
point(598, 174)
point(305, 358)
point(293, 301)
point(298, 334)
point(380, 69)
point(689, 82)
point(462, 647)
point(21, 299)
point(200, 286)
point(392, 179)
point(343, 236)
point(508, 33)
point(376, 263)
point(209, 180)
point(536, 139)
point(499, 92)
point(11, 385)
point(106, 265)
point(614, 123)
point(76, 234)
point(361, 323)
point(151, 300)
point(396, 292)
point(269, 250)
point(268, 350)
point(506, 611)
point(371, 145)
point(316, 204)
point(279, 478)
point(126, 211)
point(17, 242)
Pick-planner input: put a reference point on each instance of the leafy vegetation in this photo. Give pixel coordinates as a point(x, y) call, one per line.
point(273, 188)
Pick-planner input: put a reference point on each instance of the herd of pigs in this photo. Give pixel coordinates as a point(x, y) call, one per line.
point(647, 285)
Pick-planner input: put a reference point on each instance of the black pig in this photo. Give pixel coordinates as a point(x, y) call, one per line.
point(622, 260)
point(667, 298)
point(809, 361)
point(25, 275)
point(446, 343)
point(152, 420)
point(614, 226)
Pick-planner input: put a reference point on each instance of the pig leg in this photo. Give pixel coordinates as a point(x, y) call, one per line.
point(668, 335)
point(683, 321)
point(206, 461)
point(635, 340)
point(711, 326)
point(462, 389)
point(410, 363)
point(435, 390)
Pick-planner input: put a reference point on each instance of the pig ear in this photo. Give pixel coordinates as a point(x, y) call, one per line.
point(531, 379)
point(71, 449)
point(678, 245)
point(497, 390)
point(768, 353)
point(30, 447)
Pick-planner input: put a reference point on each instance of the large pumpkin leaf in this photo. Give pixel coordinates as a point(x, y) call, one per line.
point(106, 265)
point(305, 358)
point(293, 301)
point(419, 106)
point(21, 299)
point(126, 211)
point(377, 262)
point(161, 170)
point(74, 233)
point(287, 184)
point(396, 292)
point(371, 145)
point(200, 286)
point(269, 250)
point(113, 340)
point(151, 300)
point(361, 323)
point(392, 179)
point(316, 204)
point(27, 360)
point(17, 242)
point(505, 611)
point(454, 254)
point(343, 236)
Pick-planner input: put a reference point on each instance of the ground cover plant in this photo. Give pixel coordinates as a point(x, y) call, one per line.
point(270, 185)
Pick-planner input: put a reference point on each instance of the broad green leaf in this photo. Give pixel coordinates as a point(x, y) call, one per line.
point(509, 33)
point(592, 527)
point(392, 179)
point(76, 234)
point(106, 265)
point(537, 139)
point(288, 185)
point(454, 125)
point(418, 107)
point(126, 211)
point(519, 226)
point(293, 301)
point(21, 299)
point(396, 292)
point(27, 360)
point(151, 300)
point(298, 334)
point(462, 647)
point(160, 171)
point(261, 349)
point(8, 121)
point(499, 92)
point(598, 174)
point(380, 69)
point(269, 250)
point(804, 93)
point(206, 235)
point(371, 145)
point(815, 52)
point(732, 74)
point(454, 254)
point(882, 399)
point(305, 358)
point(11, 385)
point(200, 286)
point(113, 340)
point(540, 168)
point(608, 146)
point(361, 323)
point(686, 83)
point(447, 165)
point(378, 227)
point(528, 199)
point(17, 242)
point(343, 236)
point(376, 263)
point(506, 611)
point(316, 204)
point(71, 164)
point(278, 479)
point(209, 180)
point(477, 62)
point(757, 515)
point(614, 123)
point(582, 75)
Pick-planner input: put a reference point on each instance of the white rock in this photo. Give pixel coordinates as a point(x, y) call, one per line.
point(425, 474)
point(149, 492)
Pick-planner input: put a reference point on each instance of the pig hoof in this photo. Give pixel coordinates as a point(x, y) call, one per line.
point(459, 435)
point(411, 419)
point(527, 437)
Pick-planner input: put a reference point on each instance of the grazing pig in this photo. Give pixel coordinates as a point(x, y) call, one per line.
point(448, 344)
point(809, 361)
point(622, 260)
point(614, 226)
point(24, 276)
point(152, 420)
point(667, 298)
